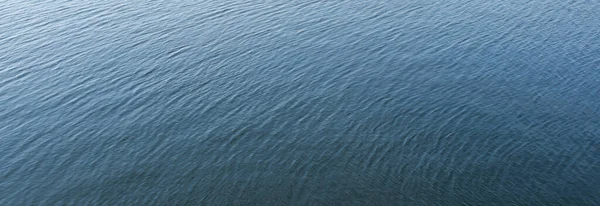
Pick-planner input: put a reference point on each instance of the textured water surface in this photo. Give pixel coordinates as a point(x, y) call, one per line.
point(326, 102)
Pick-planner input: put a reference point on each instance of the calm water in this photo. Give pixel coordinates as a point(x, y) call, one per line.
point(325, 102)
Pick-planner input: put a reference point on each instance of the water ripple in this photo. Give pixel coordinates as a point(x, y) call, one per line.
point(299, 102)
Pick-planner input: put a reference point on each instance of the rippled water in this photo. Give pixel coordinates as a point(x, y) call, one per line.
point(320, 102)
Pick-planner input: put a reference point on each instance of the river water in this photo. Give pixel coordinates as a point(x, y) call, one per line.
point(322, 102)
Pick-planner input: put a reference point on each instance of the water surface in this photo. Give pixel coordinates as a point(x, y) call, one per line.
point(326, 102)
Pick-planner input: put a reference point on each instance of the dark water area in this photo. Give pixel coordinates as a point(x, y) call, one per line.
point(326, 102)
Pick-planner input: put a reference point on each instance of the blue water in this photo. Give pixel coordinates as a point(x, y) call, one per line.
point(324, 102)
